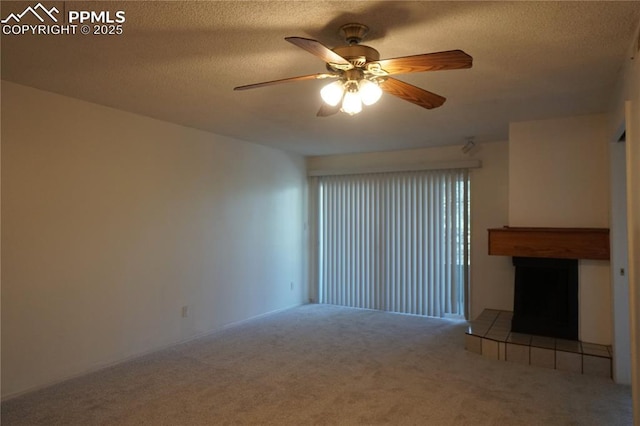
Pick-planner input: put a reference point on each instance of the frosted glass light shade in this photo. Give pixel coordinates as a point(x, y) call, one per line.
point(369, 92)
point(332, 93)
point(351, 104)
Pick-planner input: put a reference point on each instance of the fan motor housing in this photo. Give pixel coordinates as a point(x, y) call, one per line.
point(358, 54)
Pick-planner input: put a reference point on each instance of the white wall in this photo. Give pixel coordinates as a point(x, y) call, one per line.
point(112, 222)
point(626, 109)
point(559, 177)
point(621, 337)
point(559, 172)
point(491, 276)
point(633, 224)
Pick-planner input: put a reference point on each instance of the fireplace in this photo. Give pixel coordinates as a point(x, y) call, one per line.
point(546, 281)
point(546, 297)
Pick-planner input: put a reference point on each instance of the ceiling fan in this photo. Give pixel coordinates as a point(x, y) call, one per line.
point(361, 76)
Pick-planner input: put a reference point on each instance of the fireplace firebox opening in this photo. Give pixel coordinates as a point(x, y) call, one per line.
point(546, 297)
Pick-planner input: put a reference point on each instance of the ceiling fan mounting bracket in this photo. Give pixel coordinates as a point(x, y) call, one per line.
point(354, 33)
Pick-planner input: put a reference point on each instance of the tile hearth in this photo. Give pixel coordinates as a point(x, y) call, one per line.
point(490, 335)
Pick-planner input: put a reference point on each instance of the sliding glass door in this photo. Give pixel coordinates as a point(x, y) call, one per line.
point(397, 242)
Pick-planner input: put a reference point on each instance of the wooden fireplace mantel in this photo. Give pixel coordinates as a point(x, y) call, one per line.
point(559, 243)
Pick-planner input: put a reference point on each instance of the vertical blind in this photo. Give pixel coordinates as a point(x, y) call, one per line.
point(396, 242)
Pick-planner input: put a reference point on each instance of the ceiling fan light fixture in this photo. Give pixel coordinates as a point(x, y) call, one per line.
point(352, 104)
point(332, 93)
point(370, 92)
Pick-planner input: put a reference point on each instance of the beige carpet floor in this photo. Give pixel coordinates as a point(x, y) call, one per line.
point(326, 365)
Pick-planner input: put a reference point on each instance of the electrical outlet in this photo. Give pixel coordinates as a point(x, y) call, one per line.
point(185, 311)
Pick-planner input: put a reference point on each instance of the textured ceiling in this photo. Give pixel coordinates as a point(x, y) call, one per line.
point(178, 61)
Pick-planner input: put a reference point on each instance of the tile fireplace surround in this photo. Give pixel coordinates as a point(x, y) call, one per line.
point(490, 336)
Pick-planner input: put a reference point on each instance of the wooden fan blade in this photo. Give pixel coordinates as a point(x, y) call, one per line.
point(327, 110)
point(321, 51)
point(449, 60)
point(287, 80)
point(412, 93)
